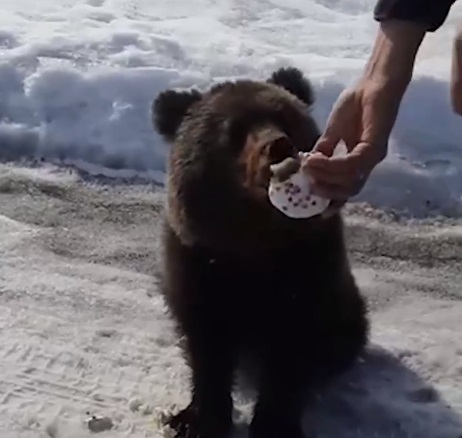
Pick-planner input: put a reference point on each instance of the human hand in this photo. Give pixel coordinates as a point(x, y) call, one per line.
point(362, 117)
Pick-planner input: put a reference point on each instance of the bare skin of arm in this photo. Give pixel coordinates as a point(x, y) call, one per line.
point(456, 73)
point(364, 115)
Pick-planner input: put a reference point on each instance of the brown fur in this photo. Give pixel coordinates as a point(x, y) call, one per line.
point(240, 277)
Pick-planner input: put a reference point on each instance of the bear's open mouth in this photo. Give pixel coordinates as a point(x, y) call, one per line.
point(265, 146)
point(275, 144)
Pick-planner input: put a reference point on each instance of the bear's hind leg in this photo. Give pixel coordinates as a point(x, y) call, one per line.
point(302, 358)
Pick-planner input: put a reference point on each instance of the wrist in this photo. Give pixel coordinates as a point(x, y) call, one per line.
point(393, 55)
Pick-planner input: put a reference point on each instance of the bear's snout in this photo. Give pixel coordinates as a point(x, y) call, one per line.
point(273, 144)
point(265, 145)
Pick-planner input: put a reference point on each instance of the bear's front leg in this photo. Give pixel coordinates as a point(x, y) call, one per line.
point(281, 397)
point(209, 414)
point(196, 298)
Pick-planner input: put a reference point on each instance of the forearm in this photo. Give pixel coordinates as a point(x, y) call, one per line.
point(387, 75)
point(456, 74)
point(403, 24)
point(394, 52)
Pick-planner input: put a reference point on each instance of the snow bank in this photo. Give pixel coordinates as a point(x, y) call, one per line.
point(77, 81)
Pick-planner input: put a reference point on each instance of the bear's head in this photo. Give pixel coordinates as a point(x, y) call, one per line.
point(223, 144)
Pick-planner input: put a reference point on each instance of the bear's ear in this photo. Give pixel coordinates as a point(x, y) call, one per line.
point(169, 108)
point(292, 80)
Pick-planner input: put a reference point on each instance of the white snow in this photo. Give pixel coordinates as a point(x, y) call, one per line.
point(82, 328)
point(77, 80)
point(84, 332)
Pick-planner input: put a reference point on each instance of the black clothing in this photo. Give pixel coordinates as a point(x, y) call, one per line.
point(430, 12)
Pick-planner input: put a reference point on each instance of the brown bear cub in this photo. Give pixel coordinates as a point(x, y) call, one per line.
point(240, 277)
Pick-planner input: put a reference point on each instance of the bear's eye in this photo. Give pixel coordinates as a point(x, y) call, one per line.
point(237, 134)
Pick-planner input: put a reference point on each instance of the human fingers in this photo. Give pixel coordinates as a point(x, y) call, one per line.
point(360, 158)
point(326, 144)
point(335, 192)
point(336, 186)
point(327, 176)
point(338, 171)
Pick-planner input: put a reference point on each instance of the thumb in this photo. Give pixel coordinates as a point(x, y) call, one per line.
point(326, 143)
point(330, 138)
point(340, 124)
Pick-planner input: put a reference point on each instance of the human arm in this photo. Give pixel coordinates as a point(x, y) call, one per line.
point(365, 114)
point(456, 73)
point(404, 24)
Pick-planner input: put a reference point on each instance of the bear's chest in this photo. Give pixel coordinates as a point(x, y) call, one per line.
point(269, 289)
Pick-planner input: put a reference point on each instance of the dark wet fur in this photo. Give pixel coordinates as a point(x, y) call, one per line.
point(240, 277)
